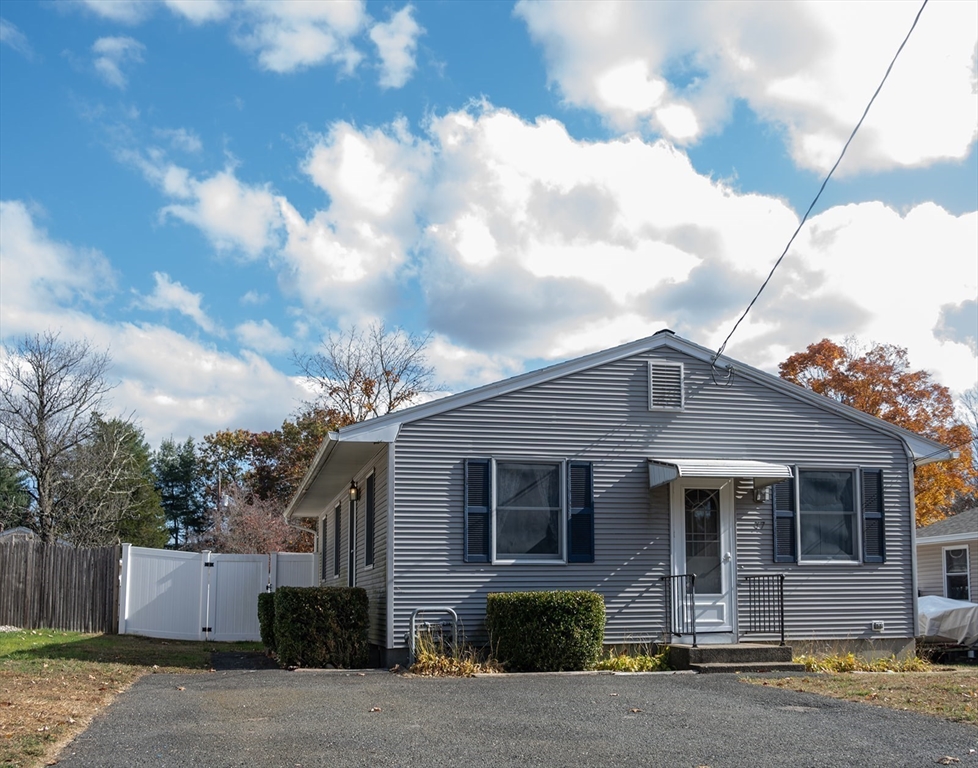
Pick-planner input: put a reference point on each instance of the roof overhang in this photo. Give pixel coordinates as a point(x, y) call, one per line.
point(337, 462)
point(950, 538)
point(763, 473)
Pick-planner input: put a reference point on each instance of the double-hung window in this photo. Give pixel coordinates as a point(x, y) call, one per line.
point(829, 515)
point(956, 573)
point(529, 511)
point(524, 511)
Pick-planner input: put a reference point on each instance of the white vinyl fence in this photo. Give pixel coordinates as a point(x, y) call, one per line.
point(202, 595)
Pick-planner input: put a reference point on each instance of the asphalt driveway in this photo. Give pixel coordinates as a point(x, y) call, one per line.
point(320, 718)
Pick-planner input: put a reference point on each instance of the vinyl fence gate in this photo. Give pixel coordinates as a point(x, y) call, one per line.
point(202, 595)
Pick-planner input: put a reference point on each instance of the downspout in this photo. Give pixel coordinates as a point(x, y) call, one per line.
point(911, 469)
point(390, 583)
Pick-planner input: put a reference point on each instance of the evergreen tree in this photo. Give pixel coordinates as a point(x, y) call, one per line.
point(110, 494)
point(15, 500)
point(180, 484)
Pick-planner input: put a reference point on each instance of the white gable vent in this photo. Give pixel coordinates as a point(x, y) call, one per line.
point(665, 386)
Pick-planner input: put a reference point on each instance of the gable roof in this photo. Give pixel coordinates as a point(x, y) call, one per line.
point(959, 527)
point(384, 429)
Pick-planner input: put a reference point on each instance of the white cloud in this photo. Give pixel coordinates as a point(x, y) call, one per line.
point(517, 242)
point(112, 54)
point(173, 384)
point(809, 67)
point(200, 11)
point(349, 256)
point(169, 295)
point(122, 11)
point(40, 273)
point(629, 87)
point(287, 35)
point(526, 244)
point(253, 298)
point(397, 43)
point(17, 40)
point(232, 214)
point(181, 139)
point(295, 34)
point(262, 337)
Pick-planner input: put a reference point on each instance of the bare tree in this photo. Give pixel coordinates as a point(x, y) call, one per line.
point(968, 410)
point(246, 524)
point(50, 390)
point(364, 373)
point(109, 493)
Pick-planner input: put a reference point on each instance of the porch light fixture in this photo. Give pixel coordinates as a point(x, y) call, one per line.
point(354, 491)
point(762, 495)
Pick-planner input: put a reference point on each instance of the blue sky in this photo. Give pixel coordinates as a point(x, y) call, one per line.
point(205, 187)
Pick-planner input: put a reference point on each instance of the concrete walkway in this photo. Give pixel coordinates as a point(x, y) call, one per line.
point(338, 719)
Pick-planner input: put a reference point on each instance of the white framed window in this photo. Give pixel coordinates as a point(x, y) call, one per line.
point(828, 520)
point(528, 511)
point(957, 573)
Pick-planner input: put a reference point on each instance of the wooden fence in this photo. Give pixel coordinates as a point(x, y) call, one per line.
point(59, 587)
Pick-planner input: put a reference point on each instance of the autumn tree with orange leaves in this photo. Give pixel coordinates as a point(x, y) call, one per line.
point(880, 382)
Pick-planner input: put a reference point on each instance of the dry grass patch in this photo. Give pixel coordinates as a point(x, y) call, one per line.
point(435, 657)
point(52, 683)
point(947, 692)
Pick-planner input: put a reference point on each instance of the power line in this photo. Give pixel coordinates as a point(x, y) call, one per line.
point(820, 189)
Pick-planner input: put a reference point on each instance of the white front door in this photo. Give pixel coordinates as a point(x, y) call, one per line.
point(703, 539)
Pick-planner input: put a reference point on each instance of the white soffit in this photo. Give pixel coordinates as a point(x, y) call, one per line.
point(662, 471)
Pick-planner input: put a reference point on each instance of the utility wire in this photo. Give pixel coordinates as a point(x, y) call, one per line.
point(826, 181)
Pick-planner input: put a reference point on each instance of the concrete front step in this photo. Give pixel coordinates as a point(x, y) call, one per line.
point(682, 656)
point(787, 667)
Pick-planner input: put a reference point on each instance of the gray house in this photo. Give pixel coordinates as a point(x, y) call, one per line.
point(947, 557)
point(612, 471)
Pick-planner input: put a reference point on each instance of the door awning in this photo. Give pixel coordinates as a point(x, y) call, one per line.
point(763, 473)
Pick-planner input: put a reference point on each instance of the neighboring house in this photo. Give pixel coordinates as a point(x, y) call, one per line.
point(20, 533)
point(947, 557)
point(611, 471)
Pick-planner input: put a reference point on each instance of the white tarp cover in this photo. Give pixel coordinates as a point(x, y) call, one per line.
point(947, 621)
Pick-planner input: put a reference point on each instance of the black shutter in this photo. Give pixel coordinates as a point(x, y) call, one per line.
point(368, 556)
point(874, 543)
point(478, 529)
point(580, 528)
point(322, 549)
point(336, 540)
point(783, 504)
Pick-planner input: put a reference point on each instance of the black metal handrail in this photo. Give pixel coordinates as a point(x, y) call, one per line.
point(765, 604)
point(680, 604)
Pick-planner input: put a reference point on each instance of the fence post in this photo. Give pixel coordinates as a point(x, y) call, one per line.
point(124, 578)
point(205, 608)
point(272, 572)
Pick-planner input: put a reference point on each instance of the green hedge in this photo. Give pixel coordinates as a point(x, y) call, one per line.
point(318, 626)
point(266, 619)
point(546, 631)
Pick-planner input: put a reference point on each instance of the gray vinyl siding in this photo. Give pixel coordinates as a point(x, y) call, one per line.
point(930, 567)
point(602, 415)
point(372, 579)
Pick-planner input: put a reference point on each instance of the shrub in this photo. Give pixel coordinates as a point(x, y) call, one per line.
point(266, 619)
point(320, 626)
point(546, 631)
